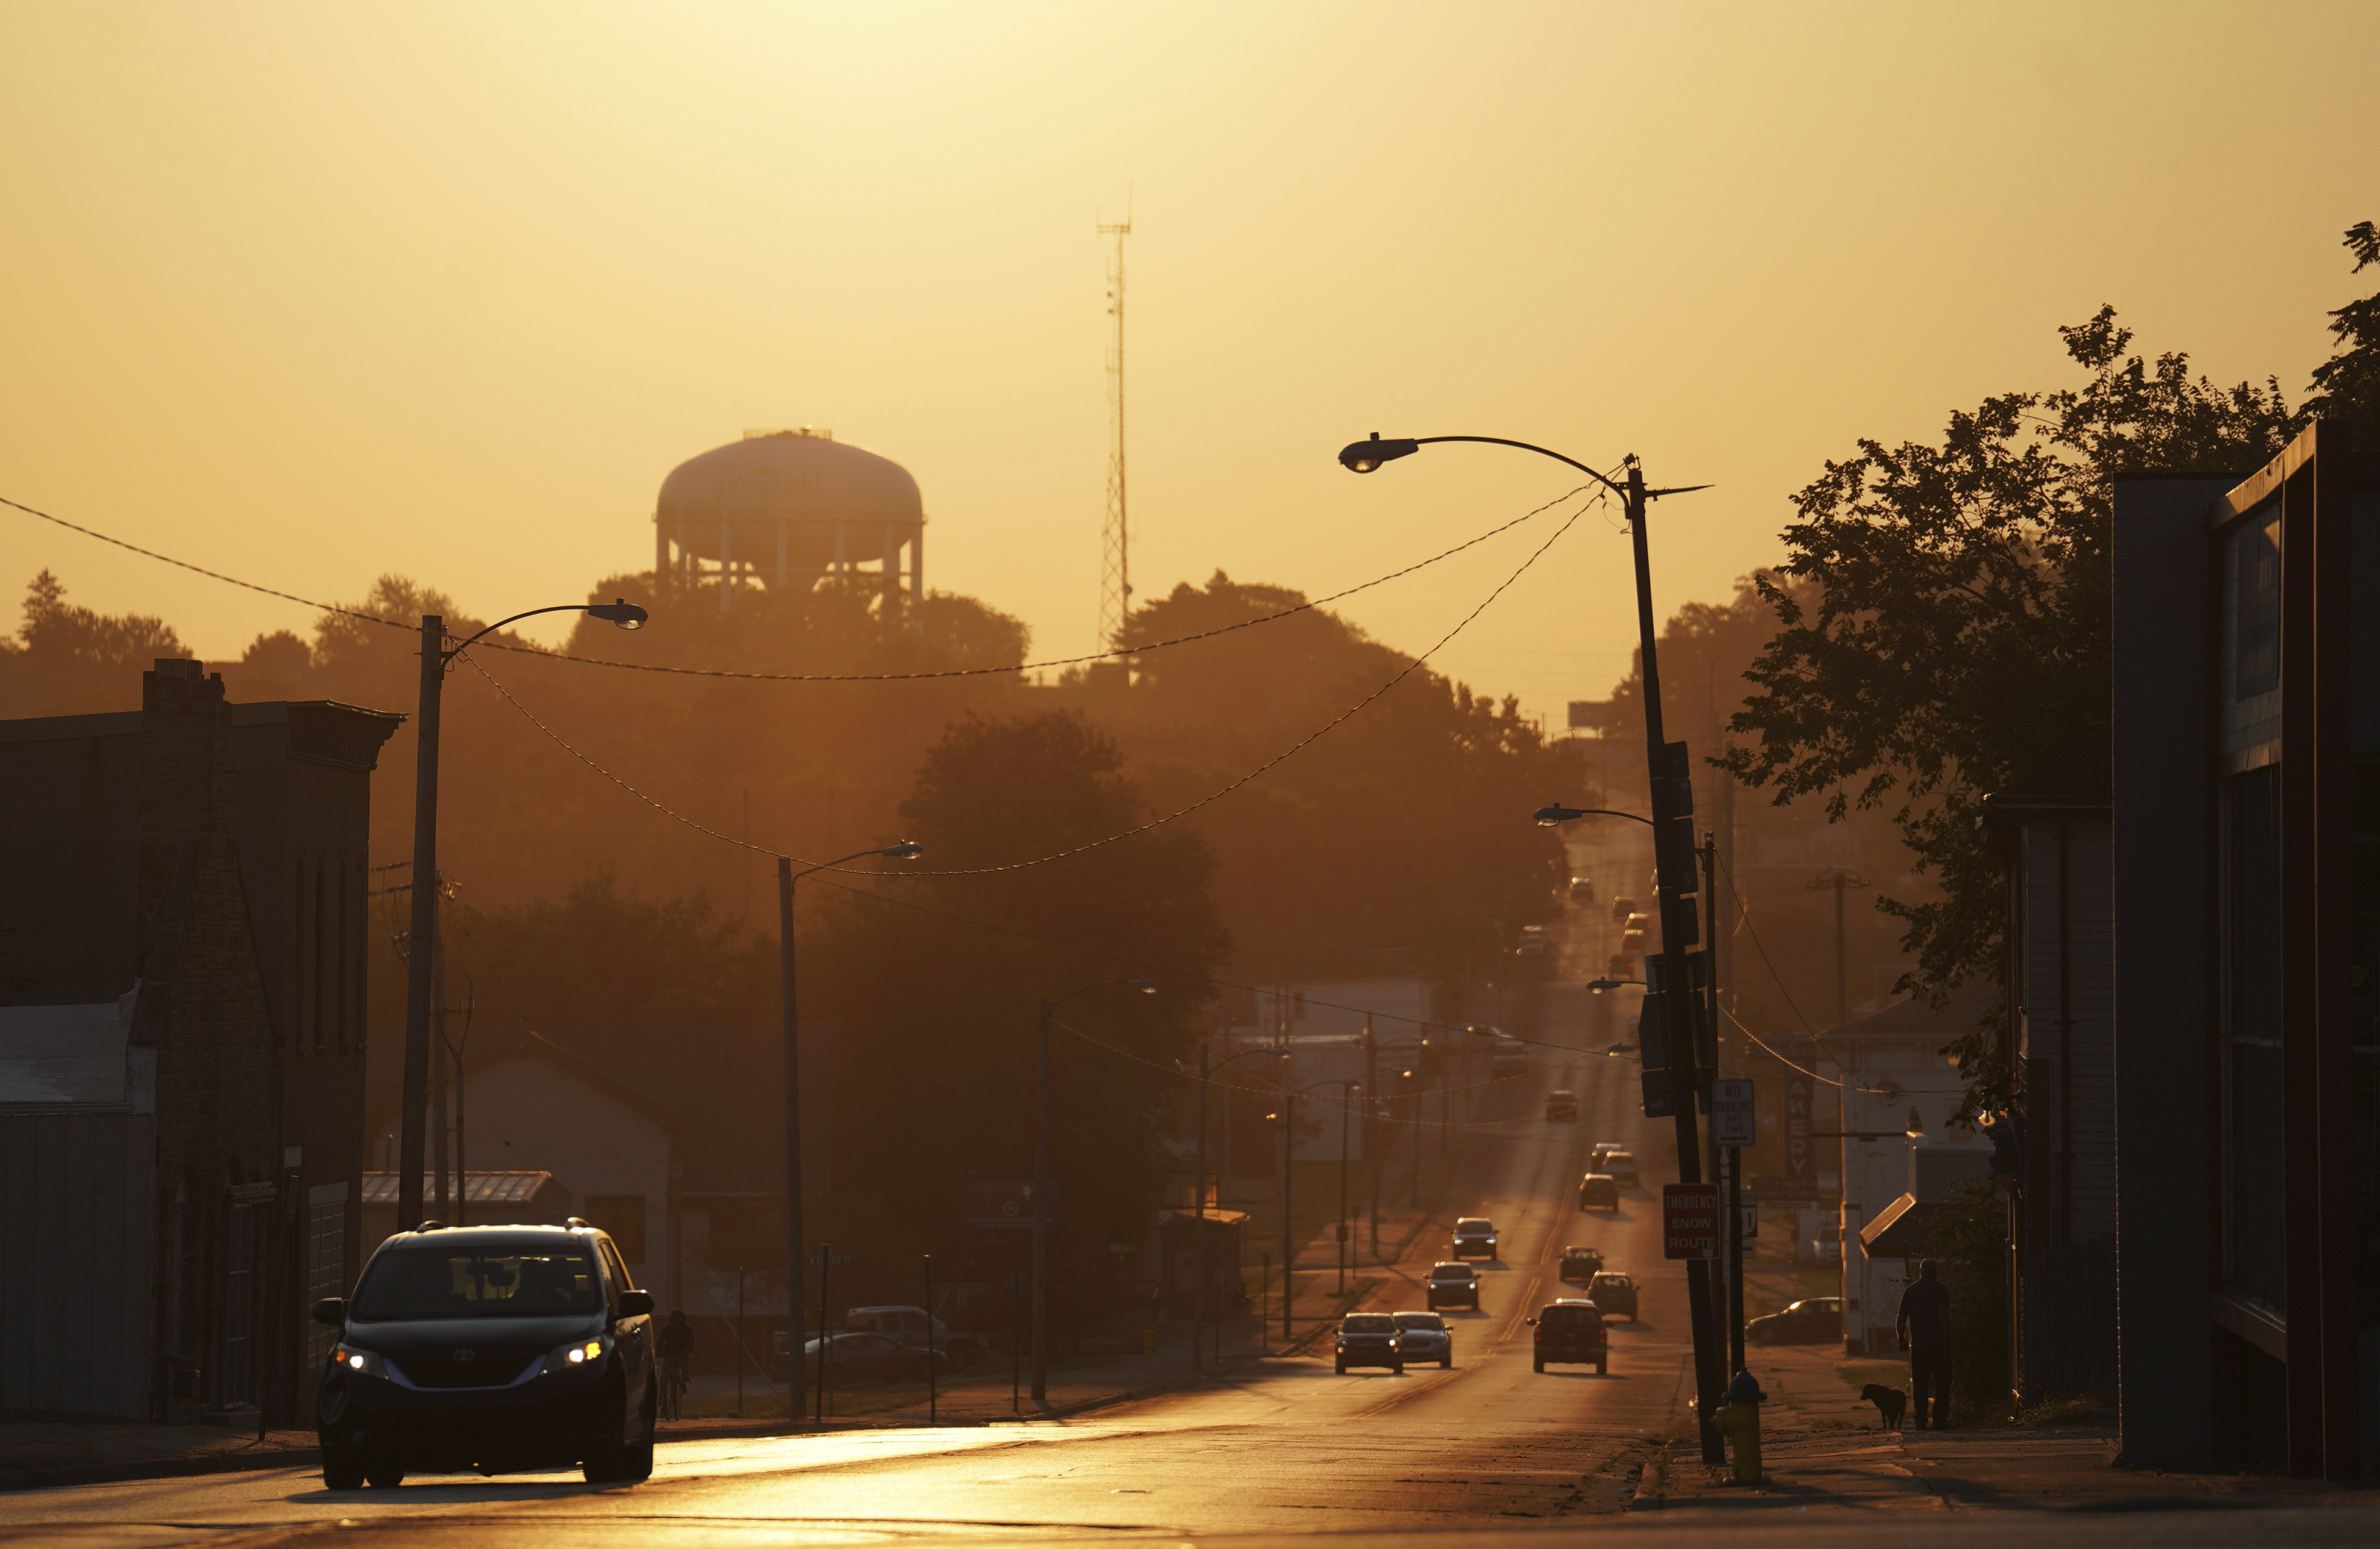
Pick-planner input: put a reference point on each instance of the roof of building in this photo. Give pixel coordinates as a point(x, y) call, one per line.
point(479, 1188)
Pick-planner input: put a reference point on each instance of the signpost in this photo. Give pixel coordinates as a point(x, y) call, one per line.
point(1690, 1221)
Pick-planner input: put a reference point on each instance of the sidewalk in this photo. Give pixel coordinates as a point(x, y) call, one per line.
point(1822, 1451)
point(36, 1454)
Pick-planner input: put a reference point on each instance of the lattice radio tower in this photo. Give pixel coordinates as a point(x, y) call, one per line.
point(1115, 531)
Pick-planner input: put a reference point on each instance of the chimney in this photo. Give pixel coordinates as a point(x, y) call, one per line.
point(185, 759)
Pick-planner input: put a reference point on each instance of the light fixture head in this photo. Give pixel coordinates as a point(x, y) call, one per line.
point(1550, 817)
point(619, 611)
point(907, 849)
point(1145, 986)
point(1363, 457)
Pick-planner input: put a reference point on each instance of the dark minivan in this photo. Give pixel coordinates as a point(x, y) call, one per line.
point(497, 1349)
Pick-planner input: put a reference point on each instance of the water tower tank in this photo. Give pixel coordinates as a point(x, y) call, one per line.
point(787, 509)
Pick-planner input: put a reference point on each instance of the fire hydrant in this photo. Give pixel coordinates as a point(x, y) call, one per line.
point(1738, 1420)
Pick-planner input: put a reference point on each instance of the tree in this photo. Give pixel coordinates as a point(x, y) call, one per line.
point(67, 660)
point(1959, 634)
point(936, 1076)
point(2347, 387)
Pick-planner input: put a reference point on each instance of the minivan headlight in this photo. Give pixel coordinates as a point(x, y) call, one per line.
point(577, 1355)
point(349, 1359)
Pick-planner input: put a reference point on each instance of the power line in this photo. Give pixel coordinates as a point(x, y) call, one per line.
point(1596, 496)
point(1412, 667)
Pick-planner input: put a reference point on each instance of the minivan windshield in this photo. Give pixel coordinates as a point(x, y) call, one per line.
point(541, 1279)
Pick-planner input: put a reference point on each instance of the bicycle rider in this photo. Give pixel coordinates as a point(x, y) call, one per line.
point(676, 1348)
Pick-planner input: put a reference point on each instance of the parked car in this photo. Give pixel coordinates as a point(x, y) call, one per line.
point(1475, 1238)
point(1570, 1333)
point(1370, 1339)
point(1582, 890)
point(1598, 1191)
point(1563, 1104)
point(502, 1349)
point(1581, 1264)
point(1453, 1284)
point(1816, 1320)
point(865, 1357)
point(913, 1327)
point(1614, 1293)
point(1621, 909)
point(1621, 1166)
point(1425, 1337)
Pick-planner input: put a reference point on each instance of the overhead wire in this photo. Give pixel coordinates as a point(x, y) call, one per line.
point(1410, 666)
point(1596, 497)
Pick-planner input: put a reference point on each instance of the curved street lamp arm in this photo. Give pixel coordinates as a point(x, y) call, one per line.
point(1563, 814)
point(1143, 986)
point(1528, 446)
point(452, 651)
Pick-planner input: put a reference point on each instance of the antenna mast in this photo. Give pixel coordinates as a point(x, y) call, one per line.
point(1115, 531)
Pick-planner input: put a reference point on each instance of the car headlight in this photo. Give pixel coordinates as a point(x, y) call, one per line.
point(363, 1361)
point(578, 1354)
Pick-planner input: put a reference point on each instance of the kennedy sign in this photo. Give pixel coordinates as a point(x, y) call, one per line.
point(1690, 1220)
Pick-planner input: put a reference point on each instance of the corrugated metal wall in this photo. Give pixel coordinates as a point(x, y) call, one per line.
point(74, 1256)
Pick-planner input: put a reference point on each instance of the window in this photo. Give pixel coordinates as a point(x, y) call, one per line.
point(622, 1215)
point(2249, 685)
point(619, 1274)
point(2251, 1030)
point(540, 1279)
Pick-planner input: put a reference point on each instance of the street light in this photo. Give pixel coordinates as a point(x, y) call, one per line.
point(420, 954)
point(1669, 781)
point(1042, 1180)
point(790, 1021)
point(1199, 1242)
point(1554, 816)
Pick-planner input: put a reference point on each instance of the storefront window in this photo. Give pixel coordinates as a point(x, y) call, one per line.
point(2252, 1036)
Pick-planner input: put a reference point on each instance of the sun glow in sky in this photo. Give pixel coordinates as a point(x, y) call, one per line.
point(312, 293)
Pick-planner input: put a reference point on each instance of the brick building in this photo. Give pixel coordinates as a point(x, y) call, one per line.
point(182, 954)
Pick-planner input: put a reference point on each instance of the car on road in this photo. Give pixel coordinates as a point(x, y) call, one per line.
point(1621, 1166)
point(1561, 1104)
point(1506, 1053)
point(1570, 1333)
point(1601, 1150)
point(1453, 1284)
point(1425, 1337)
point(1632, 935)
point(1598, 1191)
point(1370, 1339)
point(1816, 1320)
point(1614, 1293)
point(499, 1350)
point(1529, 946)
point(1621, 909)
point(1582, 890)
point(859, 1356)
point(1475, 1238)
point(913, 1327)
point(1580, 1263)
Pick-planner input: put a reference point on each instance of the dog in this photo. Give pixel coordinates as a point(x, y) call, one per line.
point(1891, 1403)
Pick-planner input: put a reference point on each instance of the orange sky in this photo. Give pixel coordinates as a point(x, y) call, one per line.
point(307, 293)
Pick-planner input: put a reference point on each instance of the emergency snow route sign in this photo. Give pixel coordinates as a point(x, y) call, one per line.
point(1690, 1220)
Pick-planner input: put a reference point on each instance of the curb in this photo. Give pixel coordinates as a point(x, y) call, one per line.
point(157, 1467)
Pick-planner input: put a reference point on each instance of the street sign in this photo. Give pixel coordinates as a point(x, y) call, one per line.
point(1749, 1208)
point(1690, 1220)
point(1734, 1122)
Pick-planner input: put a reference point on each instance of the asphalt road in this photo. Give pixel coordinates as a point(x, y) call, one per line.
point(1284, 1447)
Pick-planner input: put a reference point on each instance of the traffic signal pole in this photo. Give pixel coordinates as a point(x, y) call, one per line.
point(1673, 878)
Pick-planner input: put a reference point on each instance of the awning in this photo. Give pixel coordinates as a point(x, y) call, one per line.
point(479, 1188)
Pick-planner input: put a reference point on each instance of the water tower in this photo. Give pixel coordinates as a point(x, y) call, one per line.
point(786, 508)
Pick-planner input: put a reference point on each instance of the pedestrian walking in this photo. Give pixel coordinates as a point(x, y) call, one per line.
point(676, 1348)
point(1924, 1329)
